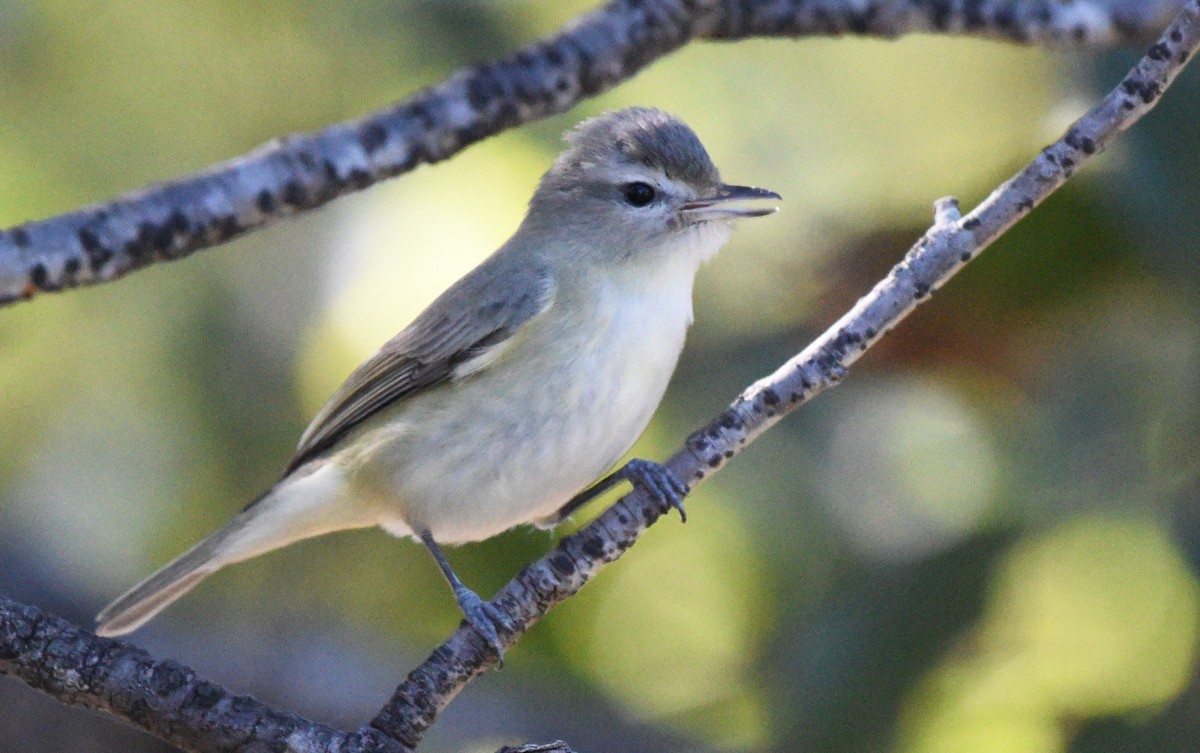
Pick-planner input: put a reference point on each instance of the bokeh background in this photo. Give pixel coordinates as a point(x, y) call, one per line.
point(985, 540)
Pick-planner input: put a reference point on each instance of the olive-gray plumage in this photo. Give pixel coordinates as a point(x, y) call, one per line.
point(521, 384)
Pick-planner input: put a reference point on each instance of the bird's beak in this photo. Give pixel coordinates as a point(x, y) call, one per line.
point(720, 204)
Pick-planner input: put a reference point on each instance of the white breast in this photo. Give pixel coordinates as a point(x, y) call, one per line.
point(514, 441)
point(527, 428)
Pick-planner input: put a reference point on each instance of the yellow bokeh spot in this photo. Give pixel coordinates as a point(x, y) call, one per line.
point(1096, 618)
point(673, 629)
point(1101, 614)
point(971, 717)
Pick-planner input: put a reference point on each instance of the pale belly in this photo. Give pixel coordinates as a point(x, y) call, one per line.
point(481, 456)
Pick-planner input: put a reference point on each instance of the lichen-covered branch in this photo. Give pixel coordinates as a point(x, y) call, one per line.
point(1076, 22)
point(593, 53)
point(168, 699)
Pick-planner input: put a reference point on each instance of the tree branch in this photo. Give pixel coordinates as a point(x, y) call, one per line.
point(170, 701)
point(593, 53)
point(554, 747)
point(163, 698)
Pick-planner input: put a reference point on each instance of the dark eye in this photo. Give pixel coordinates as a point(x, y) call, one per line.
point(638, 194)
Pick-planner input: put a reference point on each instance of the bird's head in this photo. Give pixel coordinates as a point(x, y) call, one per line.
point(637, 185)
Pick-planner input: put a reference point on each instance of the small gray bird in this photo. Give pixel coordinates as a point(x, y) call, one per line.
point(520, 385)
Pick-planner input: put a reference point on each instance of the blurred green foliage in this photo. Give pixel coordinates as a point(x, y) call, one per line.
point(986, 540)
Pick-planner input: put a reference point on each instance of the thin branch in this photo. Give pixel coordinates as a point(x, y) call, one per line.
point(168, 700)
point(591, 54)
point(555, 747)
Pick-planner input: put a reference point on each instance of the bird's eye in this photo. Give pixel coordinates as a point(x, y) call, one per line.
point(638, 194)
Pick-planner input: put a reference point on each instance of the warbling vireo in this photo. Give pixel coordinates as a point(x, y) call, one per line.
point(521, 384)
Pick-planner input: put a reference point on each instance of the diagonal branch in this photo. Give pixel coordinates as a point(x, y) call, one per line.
point(591, 54)
point(170, 701)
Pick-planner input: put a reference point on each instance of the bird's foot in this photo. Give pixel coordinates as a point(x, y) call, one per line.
point(657, 481)
point(485, 618)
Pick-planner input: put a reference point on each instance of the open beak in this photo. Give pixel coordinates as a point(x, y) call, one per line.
point(722, 204)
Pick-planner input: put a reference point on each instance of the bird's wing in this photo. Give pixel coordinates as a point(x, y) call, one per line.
point(452, 338)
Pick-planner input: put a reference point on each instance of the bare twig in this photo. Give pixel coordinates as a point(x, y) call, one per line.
point(554, 747)
point(593, 53)
point(168, 700)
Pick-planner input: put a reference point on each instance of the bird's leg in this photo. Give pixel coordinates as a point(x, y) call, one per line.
point(480, 614)
point(653, 478)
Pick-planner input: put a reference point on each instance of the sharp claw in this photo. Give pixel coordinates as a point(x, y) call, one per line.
point(657, 481)
point(500, 617)
point(485, 618)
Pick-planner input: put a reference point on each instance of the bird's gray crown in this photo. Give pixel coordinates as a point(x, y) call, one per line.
point(640, 135)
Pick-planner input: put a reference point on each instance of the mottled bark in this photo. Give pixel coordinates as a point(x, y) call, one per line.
point(593, 53)
point(164, 698)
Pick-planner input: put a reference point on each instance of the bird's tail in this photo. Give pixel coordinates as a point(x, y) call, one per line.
point(292, 510)
point(137, 605)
